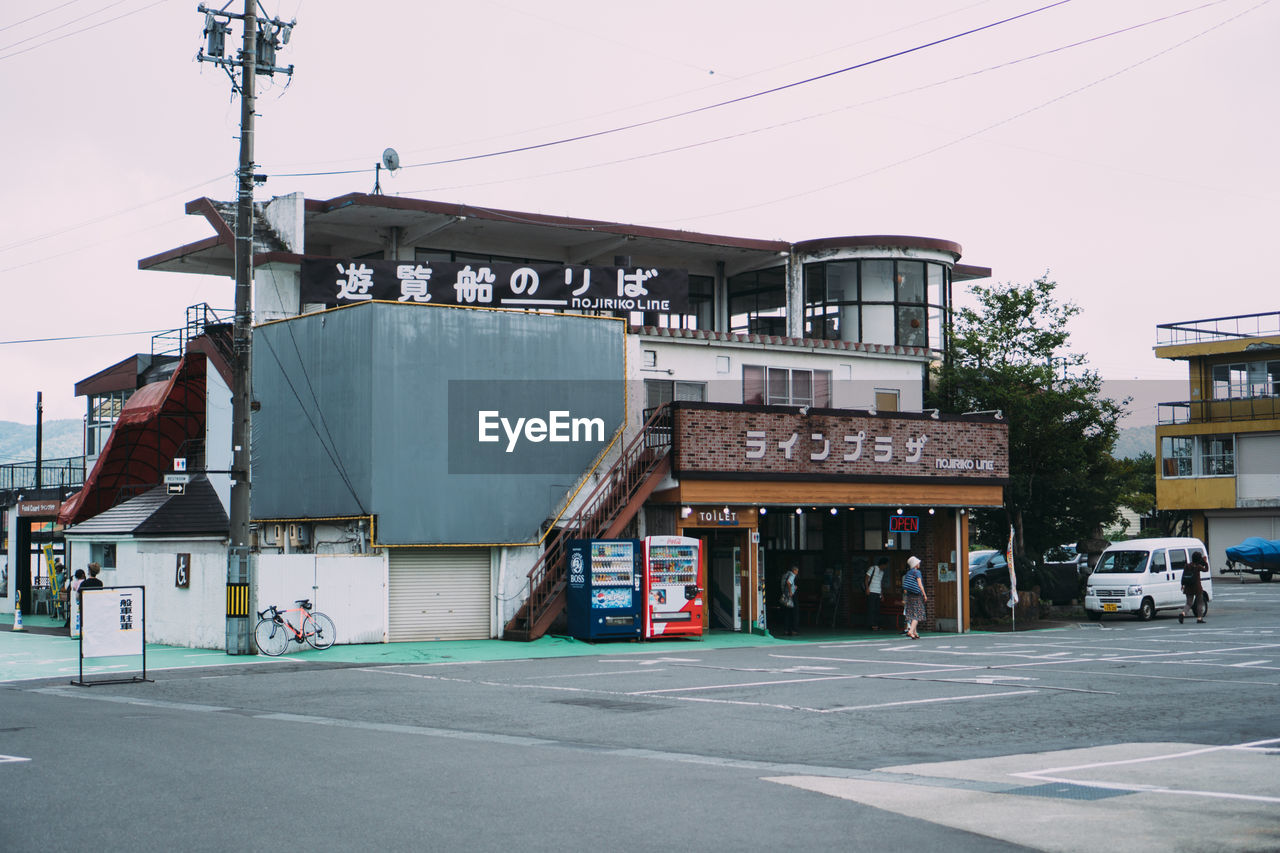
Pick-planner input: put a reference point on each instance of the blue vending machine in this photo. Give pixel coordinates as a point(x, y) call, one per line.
point(604, 594)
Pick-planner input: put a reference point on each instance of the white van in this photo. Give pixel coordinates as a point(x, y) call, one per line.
point(1142, 576)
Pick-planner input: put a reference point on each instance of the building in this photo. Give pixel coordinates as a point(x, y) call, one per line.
point(1218, 452)
point(444, 395)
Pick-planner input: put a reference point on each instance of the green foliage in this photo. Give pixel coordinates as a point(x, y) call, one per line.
point(1010, 355)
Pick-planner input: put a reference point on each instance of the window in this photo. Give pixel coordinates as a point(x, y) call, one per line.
point(1218, 455)
point(1247, 379)
point(701, 307)
point(103, 553)
point(758, 302)
point(1198, 456)
point(659, 392)
point(104, 411)
point(784, 386)
point(877, 301)
point(1177, 455)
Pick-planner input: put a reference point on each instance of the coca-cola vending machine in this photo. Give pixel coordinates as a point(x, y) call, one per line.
point(675, 586)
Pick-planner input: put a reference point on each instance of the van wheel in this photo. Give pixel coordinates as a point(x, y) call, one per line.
point(1265, 577)
point(1147, 610)
point(1094, 615)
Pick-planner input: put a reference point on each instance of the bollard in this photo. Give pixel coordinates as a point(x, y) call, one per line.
point(17, 610)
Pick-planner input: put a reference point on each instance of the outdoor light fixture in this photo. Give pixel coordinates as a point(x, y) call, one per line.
point(872, 411)
point(930, 510)
point(833, 510)
point(899, 510)
point(933, 413)
point(799, 511)
point(764, 510)
point(686, 511)
point(726, 510)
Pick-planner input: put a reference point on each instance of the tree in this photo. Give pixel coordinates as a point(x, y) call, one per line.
point(1010, 355)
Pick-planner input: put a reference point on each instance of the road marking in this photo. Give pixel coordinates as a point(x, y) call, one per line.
point(1253, 663)
point(918, 702)
point(1044, 775)
point(745, 684)
point(10, 759)
point(609, 672)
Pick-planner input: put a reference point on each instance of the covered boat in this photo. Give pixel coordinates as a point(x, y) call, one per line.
point(1255, 555)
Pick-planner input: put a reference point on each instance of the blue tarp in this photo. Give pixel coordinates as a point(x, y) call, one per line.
point(1257, 553)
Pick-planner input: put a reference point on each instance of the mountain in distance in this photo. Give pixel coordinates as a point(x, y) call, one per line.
point(1135, 441)
point(62, 438)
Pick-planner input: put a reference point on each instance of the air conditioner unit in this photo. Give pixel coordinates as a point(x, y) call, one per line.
point(299, 535)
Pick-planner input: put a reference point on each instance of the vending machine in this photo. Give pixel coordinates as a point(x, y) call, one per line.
point(674, 586)
point(604, 591)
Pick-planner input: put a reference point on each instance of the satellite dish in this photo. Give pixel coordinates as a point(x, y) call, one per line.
point(390, 159)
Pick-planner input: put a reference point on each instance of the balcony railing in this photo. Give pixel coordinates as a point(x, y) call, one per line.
point(1234, 327)
point(68, 471)
point(1210, 411)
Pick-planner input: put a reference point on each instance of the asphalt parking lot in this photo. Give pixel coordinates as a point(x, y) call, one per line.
point(1143, 736)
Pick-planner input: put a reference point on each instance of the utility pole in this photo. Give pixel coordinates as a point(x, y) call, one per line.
point(257, 56)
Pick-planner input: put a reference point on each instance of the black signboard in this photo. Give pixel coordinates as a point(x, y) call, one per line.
point(562, 287)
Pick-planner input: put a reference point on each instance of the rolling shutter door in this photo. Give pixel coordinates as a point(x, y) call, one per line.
point(439, 594)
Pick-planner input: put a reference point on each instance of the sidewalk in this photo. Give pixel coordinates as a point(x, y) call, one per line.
point(44, 651)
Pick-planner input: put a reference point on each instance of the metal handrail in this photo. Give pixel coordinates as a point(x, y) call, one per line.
point(601, 507)
point(1233, 327)
point(65, 471)
point(1211, 411)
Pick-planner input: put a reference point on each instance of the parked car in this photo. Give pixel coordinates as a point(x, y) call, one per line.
point(1143, 576)
point(987, 567)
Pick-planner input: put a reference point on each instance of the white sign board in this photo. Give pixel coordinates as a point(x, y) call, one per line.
point(111, 621)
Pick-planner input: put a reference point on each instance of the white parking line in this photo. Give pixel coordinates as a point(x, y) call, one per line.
point(10, 759)
point(1049, 774)
point(917, 702)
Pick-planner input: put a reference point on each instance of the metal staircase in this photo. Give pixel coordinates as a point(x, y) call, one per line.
point(603, 515)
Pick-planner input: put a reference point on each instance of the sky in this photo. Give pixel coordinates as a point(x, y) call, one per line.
point(1125, 149)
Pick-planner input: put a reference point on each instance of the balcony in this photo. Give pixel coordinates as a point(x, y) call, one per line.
point(1218, 411)
point(68, 471)
point(1236, 327)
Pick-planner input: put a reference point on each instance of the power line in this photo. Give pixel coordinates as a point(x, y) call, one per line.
point(978, 132)
point(78, 32)
point(62, 26)
point(26, 241)
point(826, 113)
point(696, 110)
point(85, 337)
point(38, 15)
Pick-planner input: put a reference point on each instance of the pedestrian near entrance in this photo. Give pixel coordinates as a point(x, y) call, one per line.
point(914, 596)
point(93, 581)
point(790, 612)
point(874, 585)
point(72, 600)
point(1193, 589)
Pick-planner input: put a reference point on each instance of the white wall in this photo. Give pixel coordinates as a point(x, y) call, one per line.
point(350, 590)
point(512, 586)
point(194, 616)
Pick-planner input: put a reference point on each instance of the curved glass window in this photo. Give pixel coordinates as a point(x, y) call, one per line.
point(758, 302)
point(903, 303)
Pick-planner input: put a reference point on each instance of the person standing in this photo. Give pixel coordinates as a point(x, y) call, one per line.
point(874, 586)
point(914, 596)
point(93, 581)
point(789, 609)
point(1192, 588)
point(73, 602)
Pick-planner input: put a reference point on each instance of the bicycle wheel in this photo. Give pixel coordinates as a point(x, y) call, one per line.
point(270, 637)
point(319, 630)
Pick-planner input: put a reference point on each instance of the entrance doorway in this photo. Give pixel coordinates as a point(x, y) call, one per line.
point(727, 582)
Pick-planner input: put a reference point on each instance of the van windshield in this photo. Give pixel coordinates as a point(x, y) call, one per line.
point(1122, 562)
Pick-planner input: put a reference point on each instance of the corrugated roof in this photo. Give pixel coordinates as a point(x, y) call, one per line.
point(197, 511)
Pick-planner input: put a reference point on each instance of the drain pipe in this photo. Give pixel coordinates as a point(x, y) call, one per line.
point(959, 554)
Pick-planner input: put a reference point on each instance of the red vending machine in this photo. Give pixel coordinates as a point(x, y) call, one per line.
point(674, 586)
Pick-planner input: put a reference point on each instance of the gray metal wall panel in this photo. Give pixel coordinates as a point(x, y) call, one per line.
point(382, 373)
point(418, 352)
point(311, 451)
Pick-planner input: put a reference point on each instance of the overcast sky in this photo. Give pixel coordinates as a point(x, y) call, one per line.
point(1138, 168)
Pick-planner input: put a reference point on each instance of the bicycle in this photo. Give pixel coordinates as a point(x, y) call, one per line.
point(274, 630)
